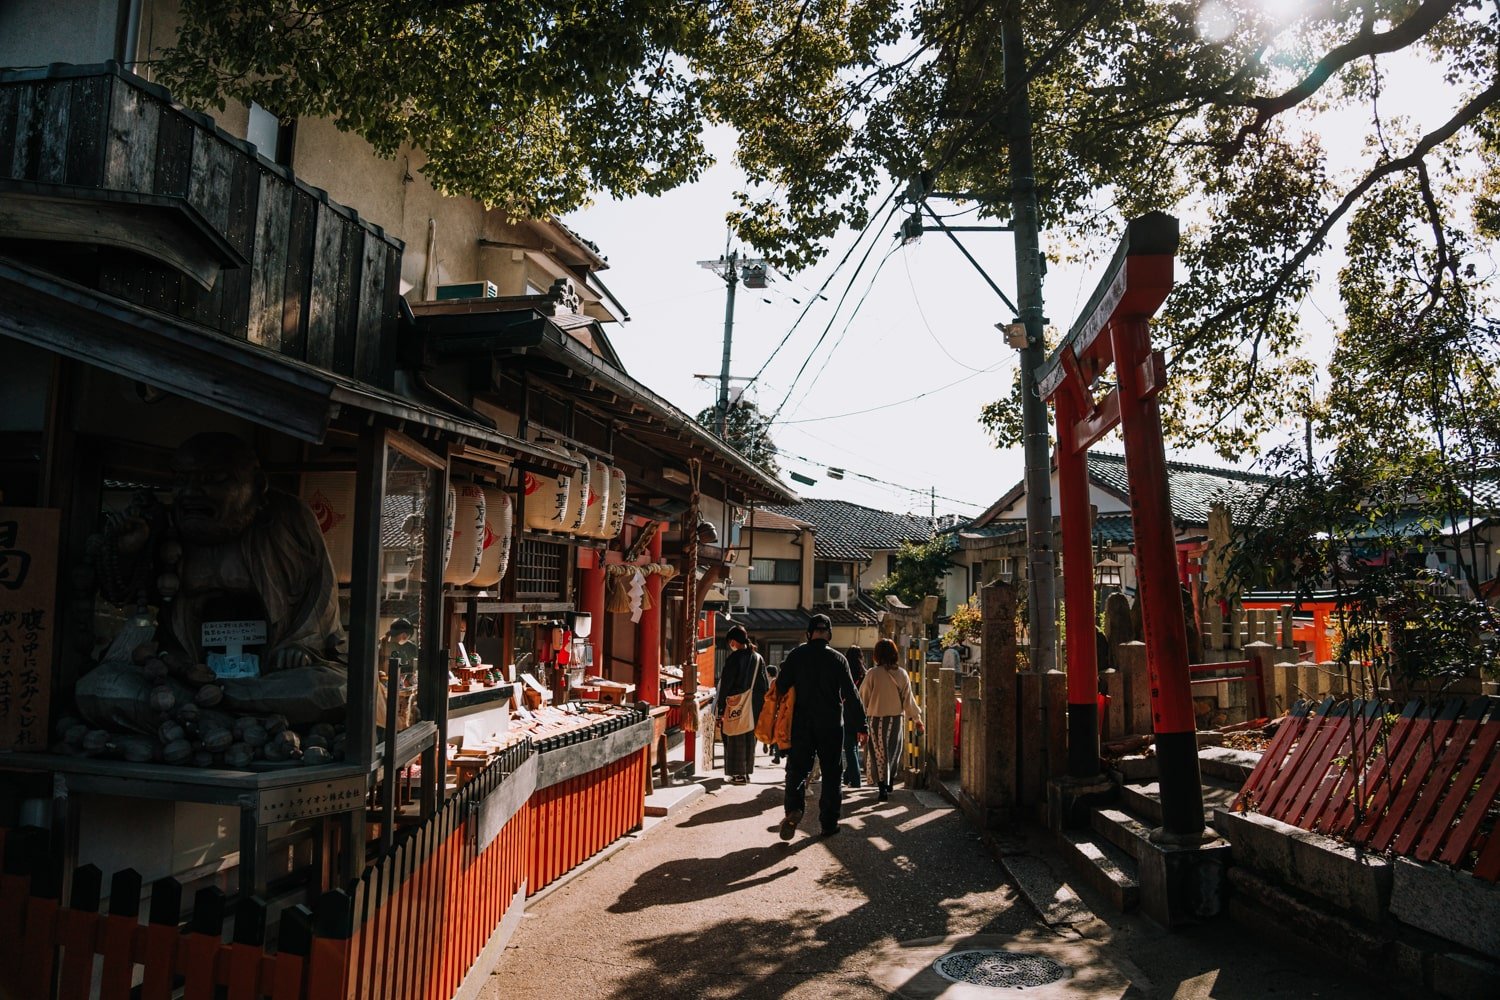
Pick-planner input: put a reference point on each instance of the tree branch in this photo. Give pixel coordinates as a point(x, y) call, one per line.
point(1365, 43)
point(1477, 106)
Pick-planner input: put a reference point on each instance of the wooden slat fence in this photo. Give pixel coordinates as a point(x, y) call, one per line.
point(578, 817)
point(1420, 780)
point(409, 929)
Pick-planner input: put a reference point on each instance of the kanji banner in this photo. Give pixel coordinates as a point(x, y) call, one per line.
point(28, 596)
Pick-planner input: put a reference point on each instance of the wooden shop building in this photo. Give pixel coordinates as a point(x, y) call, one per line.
point(485, 476)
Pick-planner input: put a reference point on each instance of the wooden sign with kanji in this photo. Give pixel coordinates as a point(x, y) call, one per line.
point(28, 597)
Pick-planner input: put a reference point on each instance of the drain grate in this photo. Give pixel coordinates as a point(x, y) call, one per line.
point(1001, 970)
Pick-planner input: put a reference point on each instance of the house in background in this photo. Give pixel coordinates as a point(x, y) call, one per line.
point(817, 556)
point(993, 545)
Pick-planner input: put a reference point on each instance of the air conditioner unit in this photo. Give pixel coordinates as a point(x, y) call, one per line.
point(467, 290)
point(838, 595)
point(739, 597)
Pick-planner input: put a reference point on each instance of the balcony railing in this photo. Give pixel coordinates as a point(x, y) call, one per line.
point(181, 218)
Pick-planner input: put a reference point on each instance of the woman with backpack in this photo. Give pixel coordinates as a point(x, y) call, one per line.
point(742, 692)
point(886, 695)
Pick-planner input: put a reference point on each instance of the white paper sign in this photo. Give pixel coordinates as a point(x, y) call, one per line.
point(227, 634)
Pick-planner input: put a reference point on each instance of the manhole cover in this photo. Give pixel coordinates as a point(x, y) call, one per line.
point(1003, 970)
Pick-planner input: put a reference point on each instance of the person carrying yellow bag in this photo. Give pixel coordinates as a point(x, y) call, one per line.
point(774, 725)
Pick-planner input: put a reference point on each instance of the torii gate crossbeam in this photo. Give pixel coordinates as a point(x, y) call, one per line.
point(1113, 330)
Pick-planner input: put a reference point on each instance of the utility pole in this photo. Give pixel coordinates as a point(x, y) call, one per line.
point(1041, 576)
point(732, 269)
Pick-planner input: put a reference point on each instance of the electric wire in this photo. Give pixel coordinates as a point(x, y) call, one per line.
point(910, 399)
point(877, 479)
point(845, 331)
point(833, 318)
point(890, 196)
point(917, 301)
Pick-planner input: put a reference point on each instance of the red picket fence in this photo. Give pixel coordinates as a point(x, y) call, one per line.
point(578, 817)
point(410, 928)
point(1421, 786)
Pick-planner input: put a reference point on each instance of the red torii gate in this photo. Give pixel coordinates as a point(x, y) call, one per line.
point(1113, 330)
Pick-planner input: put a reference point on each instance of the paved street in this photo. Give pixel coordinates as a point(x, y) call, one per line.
point(712, 904)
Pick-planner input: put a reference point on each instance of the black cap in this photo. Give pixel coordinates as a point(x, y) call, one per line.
point(401, 625)
point(737, 634)
point(819, 623)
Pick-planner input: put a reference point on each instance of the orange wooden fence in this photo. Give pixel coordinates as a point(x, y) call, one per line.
point(577, 817)
point(1419, 783)
point(410, 928)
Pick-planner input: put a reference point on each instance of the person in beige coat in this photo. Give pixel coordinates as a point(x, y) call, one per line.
point(886, 696)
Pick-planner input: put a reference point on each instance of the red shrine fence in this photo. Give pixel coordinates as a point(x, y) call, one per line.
point(1421, 782)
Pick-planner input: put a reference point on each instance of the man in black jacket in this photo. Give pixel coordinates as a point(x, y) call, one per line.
point(826, 702)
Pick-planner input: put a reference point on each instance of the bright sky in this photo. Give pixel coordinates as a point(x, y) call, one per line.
point(926, 329)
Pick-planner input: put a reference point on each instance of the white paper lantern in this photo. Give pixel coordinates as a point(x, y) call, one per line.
point(598, 510)
point(616, 519)
point(499, 522)
point(330, 497)
point(548, 498)
point(578, 510)
point(468, 536)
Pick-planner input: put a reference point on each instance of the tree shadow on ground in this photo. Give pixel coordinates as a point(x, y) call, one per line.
point(687, 880)
point(909, 883)
point(766, 801)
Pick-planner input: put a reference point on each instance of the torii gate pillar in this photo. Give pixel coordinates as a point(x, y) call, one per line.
point(1113, 330)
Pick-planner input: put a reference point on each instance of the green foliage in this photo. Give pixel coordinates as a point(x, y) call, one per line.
point(965, 624)
point(748, 431)
point(920, 569)
point(1200, 107)
point(1359, 527)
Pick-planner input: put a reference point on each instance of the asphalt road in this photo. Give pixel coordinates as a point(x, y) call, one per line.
point(711, 903)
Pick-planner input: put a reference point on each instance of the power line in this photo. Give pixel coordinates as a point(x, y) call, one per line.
point(900, 402)
point(826, 282)
point(844, 332)
point(917, 300)
point(876, 479)
point(832, 318)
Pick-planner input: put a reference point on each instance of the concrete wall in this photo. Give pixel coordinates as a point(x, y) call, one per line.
point(1106, 503)
point(771, 545)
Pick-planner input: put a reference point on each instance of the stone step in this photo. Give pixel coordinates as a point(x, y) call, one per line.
point(1121, 829)
point(1103, 866)
point(1143, 799)
point(1227, 764)
point(1134, 767)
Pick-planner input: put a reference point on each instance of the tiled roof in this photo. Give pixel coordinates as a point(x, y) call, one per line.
point(1113, 528)
point(843, 527)
point(1107, 528)
point(768, 520)
point(861, 611)
point(832, 548)
point(758, 620)
point(1193, 487)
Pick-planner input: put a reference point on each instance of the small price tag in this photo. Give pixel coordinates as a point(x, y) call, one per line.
point(227, 665)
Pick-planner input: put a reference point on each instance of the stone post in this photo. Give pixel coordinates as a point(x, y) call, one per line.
point(997, 726)
point(940, 728)
point(1132, 656)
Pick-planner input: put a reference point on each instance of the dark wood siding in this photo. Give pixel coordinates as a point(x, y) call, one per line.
point(319, 284)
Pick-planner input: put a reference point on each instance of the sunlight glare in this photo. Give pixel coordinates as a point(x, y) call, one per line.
point(1216, 20)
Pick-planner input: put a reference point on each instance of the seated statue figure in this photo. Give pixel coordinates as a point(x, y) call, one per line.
point(236, 558)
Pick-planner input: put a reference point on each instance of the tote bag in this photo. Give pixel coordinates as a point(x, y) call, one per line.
point(738, 718)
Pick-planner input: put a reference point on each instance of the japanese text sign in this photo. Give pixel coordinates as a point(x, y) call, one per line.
point(28, 595)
